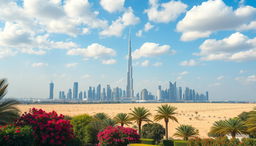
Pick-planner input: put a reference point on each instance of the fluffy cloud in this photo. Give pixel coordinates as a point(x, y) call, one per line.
point(158, 64)
point(203, 20)
point(16, 38)
point(220, 77)
point(146, 28)
point(183, 73)
point(109, 61)
point(149, 49)
point(39, 64)
point(247, 79)
point(117, 26)
point(145, 63)
point(165, 12)
point(71, 65)
point(95, 51)
point(236, 47)
point(112, 5)
point(190, 62)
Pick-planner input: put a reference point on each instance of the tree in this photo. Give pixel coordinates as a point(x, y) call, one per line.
point(186, 131)
point(232, 126)
point(153, 131)
point(166, 113)
point(8, 111)
point(123, 119)
point(140, 114)
point(250, 122)
point(101, 116)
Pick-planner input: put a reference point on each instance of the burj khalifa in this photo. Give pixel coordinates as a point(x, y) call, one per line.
point(129, 86)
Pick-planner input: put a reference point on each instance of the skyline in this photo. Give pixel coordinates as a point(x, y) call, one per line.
point(86, 41)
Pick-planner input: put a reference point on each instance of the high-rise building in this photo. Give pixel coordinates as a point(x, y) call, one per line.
point(69, 94)
point(84, 94)
point(144, 94)
point(90, 98)
point(103, 96)
point(75, 90)
point(159, 93)
point(109, 93)
point(80, 95)
point(129, 86)
point(98, 93)
point(207, 95)
point(180, 93)
point(93, 94)
point(51, 90)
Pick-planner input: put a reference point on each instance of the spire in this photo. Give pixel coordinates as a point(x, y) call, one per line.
point(129, 87)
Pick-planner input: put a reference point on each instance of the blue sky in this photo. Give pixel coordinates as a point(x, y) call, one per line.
point(205, 45)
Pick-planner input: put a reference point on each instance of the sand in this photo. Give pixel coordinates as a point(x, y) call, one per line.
point(203, 120)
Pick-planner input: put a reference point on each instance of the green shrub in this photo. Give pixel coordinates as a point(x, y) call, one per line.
point(167, 143)
point(153, 131)
point(248, 141)
point(16, 136)
point(82, 128)
point(180, 143)
point(147, 141)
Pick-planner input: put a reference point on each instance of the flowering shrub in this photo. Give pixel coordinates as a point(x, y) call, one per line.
point(221, 141)
point(15, 136)
point(48, 128)
point(118, 136)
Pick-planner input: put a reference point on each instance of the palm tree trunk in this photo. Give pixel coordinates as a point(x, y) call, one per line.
point(233, 134)
point(166, 129)
point(139, 124)
point(122, 124)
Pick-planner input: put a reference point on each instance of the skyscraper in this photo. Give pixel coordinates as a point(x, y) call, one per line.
point(129, 86)
point(75, 90)
point(51, 90)
point(98, 93)
point(69, 94)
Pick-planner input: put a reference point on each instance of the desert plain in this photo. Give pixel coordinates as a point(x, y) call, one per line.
point(199, 115)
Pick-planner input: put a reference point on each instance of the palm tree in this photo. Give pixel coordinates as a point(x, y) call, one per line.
point(123, 119)
point(101, 116)
point(166, 113)
point(250, 122)
point(8, 111)
point(186, 131)
point(140, 114)
point(231, 126)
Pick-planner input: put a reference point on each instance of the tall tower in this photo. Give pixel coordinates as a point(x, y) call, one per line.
point(129, 86)
point(75, 90)
point(51, 90)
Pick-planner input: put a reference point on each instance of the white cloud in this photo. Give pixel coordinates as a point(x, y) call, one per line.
point(247, 79)
point(109, 61)
point(94, 50)
point(71, 65)
point(220, 77)
point(190, 62)
point(117, 26)
point(165, 12)
point(201, 21)
point(146, 28)
point(86, 76)
point(145, 63)
point(236, 47)
point(16, 38)
point(39, 64)
point(149, 49)
point(6, 53)
point(157, 64)
point(183, 73)
point(112, 5)
point(242, 71)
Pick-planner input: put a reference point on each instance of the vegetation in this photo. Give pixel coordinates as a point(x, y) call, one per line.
point(166, 113)
point(122, 119)
point(8, 112)
point(140, 114)
point(153, 131)
point(16, 136)
point(82, 128)
point(101, 116)
point(232, 126)
point(186, 131)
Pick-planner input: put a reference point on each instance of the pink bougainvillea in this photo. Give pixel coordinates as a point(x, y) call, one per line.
point(118, 136)
point(48, 127)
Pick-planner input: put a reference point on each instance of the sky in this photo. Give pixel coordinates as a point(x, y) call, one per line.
point(205, 45)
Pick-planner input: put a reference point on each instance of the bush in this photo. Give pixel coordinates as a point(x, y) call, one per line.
point(48, 128)
point(154, 131)
point(180, 143)
point(118, 136)
point(16, 136)
point(82, 128)
point(248, 141)
point(167, 143)
point(147, 141)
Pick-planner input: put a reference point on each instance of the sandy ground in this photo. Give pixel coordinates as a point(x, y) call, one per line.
point(207, 112)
